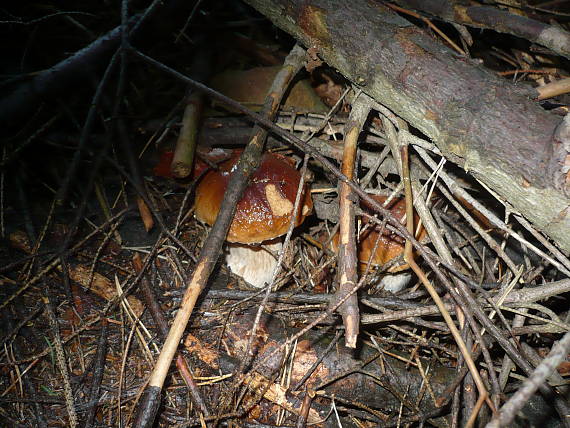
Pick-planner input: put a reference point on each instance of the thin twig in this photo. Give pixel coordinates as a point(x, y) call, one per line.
point(409, 258)
point(55, 260)
point(562, 264)
point(62, 364)
point(277, 268)
point(162, 324)
point(510, 409)
point(98, 371)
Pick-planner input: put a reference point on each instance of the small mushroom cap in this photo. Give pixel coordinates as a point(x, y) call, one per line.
point(266, 208)
point(390, 245)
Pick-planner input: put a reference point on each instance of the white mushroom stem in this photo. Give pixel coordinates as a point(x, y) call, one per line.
point(394, 282)
point(253, 263)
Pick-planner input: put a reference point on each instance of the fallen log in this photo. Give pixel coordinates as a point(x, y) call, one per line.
point(550, 36)
point(479, 121)
point(375, 378)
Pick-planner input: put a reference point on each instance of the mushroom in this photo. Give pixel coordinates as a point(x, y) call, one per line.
point(262, 215)
point(390, 246)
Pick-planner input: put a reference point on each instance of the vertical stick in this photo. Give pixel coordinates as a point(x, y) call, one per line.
point(347, 254)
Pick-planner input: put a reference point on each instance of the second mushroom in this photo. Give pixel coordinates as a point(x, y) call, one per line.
point(379, 246)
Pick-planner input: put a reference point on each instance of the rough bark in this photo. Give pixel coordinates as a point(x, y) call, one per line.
point(550, 36)
point(350, 378)
point(479, 121)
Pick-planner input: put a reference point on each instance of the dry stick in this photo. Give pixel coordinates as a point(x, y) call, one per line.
point(182, 160)
point(509, 410)
point(62, 364)
point(98, 371)
point(556, 378)
point(450, 388)
point(209, 254)
point(553, 89)
point(330, 310)
point(246, 166)
point(465, 311)
point(305, 407)
point(559, 402)
point(181, 166)
point(409, 258)
point(525, 295)
point(429, 24)
point(162, 324)
point(507, 366)
point(553, 37)
point(540, 238)
point(444, 253)
point(432, 258)
point(314, 299)
point(462, 311)
point(486, 237)
point(373, 169)
point(452, 235)
point(347, 254)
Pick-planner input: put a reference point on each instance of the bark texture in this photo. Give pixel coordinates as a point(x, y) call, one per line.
point(481, 122)
point(550, 36)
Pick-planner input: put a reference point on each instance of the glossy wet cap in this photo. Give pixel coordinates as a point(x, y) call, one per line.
point(266, 208)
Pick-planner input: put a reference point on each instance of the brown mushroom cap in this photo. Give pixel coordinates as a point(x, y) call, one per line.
point(390, 245)
point(266, 208)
